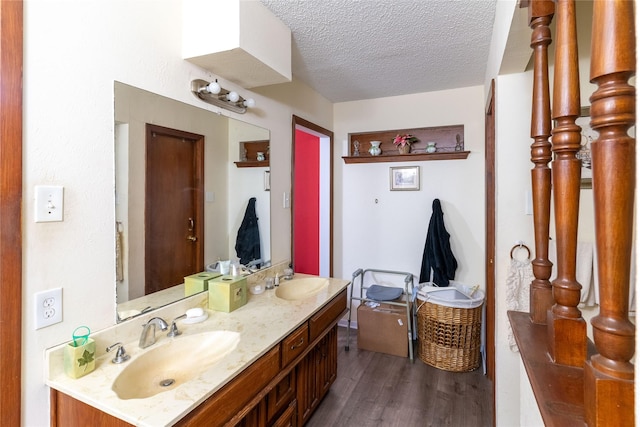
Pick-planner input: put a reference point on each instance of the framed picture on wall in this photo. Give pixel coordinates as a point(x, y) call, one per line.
point(404, 178)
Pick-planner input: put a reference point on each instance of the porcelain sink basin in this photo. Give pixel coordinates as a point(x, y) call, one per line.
point(297, 289)
point(168, 365)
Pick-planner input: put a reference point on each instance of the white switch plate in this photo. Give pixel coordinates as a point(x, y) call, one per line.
point(528, 203)
point(49, 203)
point(286, 200)
point(48, 307)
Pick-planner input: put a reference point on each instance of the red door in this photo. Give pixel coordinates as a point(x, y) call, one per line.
point(306, 209)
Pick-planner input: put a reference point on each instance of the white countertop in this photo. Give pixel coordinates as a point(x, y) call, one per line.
point(263, 322)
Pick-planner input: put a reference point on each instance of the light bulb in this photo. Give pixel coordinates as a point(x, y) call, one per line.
point(213, 87)
point(233, 96)
point(249, 103)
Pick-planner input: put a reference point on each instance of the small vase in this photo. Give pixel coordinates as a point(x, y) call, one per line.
point(375, 148)
point(431, 147)
point(404, 149)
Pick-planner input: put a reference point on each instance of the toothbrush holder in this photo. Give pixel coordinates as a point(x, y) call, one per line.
point(80, 360)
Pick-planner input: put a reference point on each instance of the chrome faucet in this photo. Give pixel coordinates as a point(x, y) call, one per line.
point(174, 332)
point(148, 336)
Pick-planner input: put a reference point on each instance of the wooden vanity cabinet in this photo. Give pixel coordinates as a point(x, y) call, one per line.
point(69, 412)
point(316, 373)
point(224, 404)
point(281, 389)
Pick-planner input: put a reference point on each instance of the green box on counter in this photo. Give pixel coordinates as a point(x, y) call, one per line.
point(227, 293)
point(198, 282)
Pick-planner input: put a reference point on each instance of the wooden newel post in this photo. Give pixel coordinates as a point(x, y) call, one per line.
point(541, 297)
point(609, 383)
point(567, 332)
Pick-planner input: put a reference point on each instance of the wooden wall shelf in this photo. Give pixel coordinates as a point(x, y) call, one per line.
point(448, 139)
point(253, 164)
point(249, 151)
point(411, 157)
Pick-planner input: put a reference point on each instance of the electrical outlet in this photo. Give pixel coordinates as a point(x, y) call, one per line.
point(48, 307)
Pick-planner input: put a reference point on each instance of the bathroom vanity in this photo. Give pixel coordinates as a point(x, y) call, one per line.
point(282, 367)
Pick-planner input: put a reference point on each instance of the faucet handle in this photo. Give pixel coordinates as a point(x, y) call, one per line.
point(173, 330)
point(121, 353)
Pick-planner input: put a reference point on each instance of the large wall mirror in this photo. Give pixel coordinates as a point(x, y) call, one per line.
point(223, 192)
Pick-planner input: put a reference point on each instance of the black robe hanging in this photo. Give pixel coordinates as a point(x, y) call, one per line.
point(437, 255)
point(248, 239)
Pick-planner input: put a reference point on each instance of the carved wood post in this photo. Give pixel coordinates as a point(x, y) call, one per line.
point(565, 325)
point(609, 383)
point(541, 297)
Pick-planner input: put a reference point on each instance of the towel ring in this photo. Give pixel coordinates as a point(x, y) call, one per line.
point(521, 246)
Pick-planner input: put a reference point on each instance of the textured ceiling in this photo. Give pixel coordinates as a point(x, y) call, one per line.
point(361, 49)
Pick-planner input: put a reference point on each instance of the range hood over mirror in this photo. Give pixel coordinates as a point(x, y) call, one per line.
point(226, 189)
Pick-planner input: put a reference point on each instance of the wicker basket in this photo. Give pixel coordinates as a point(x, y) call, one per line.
point(448, 337)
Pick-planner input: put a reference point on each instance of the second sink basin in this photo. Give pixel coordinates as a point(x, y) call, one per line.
point(297, 289)
point(169, 365)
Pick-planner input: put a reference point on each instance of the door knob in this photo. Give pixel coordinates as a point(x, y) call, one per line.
point(192, 238)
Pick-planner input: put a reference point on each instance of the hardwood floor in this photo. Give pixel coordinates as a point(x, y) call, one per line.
point(375, 389)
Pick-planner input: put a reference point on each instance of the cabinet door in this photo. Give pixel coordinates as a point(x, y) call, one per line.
point(69, 412)
point(256, 417)
point(327, 361)
point(307, 389)
point(281, 395)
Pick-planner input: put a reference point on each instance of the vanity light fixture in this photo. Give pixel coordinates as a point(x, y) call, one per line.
point(215, 94)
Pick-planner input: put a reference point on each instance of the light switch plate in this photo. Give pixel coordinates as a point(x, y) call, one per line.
point(49, 203)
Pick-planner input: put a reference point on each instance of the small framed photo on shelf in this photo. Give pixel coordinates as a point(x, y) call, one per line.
point(404, 178)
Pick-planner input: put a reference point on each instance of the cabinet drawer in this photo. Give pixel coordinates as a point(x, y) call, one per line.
point(295, 344)
point(329, 314)
point(288, 418)
point(224, 404)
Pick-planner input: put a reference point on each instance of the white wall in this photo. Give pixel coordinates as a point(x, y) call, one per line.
point(74, 50)
point(505, 10)
point(513, 118)
point(245, 183)
point(379, 228)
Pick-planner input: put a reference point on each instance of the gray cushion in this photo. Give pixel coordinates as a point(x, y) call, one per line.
point(383, 293)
